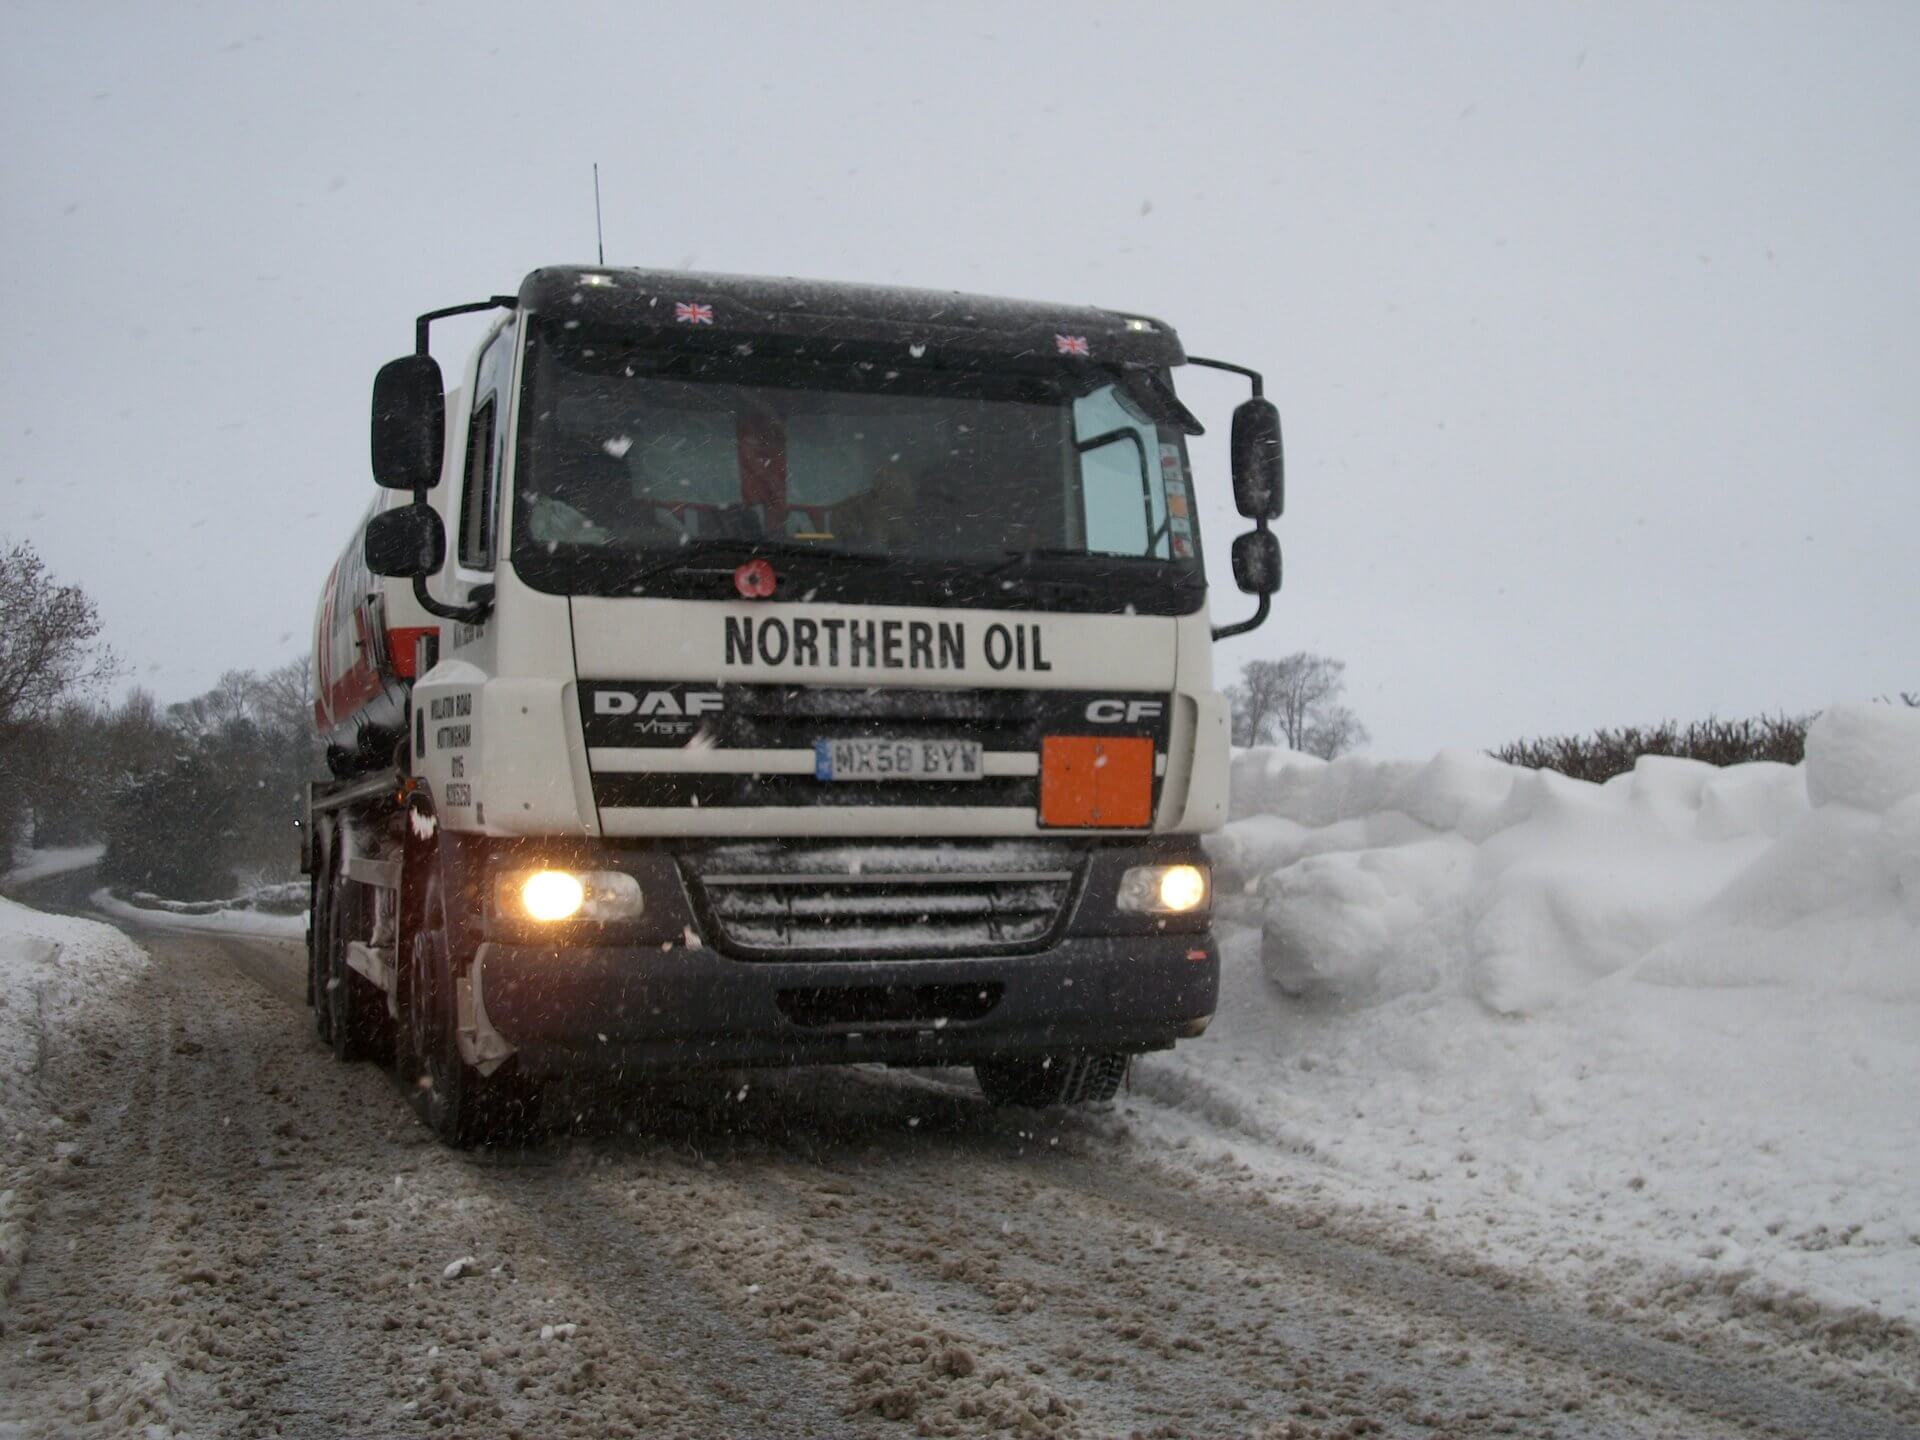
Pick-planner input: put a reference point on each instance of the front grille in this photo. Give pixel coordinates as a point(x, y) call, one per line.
point(617, 789)
point(902, 902)
point(667, 718)
point(778, 717)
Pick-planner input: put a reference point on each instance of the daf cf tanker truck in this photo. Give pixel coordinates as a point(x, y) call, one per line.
point(740, 672)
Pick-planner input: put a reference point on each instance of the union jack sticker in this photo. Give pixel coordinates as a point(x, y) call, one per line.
point(692, 314)
point(1071, 344)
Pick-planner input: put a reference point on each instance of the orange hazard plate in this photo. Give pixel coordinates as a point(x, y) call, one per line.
point(1096, 781)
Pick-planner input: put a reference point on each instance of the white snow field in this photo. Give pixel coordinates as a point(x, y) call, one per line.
point(1659, 1038)
point(52, 969)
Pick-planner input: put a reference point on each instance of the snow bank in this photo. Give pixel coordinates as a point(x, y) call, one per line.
point(237, 917)
point(38, 864)
point(1679, 1012)
point(1522, 888)
point(51, 968)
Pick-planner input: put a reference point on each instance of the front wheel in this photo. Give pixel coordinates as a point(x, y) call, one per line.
point(1041, 1081)
point(459, 1104)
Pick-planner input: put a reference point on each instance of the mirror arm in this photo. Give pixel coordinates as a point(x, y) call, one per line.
point(481, 604)
point(1259, 385)
point(1260, 611)
point(1259, 618)
point(473, 613)
point(480, 600)
point(420, 326)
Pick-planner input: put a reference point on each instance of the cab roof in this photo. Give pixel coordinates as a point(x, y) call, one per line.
point(691, 304)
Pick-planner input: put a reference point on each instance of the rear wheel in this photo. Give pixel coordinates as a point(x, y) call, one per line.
point(1040, 1081)
point(319, 942)
point(459, 1104)
point(357, 1021)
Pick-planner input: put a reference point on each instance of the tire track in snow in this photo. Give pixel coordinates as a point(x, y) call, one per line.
point(614, 1242)
point(257, 1240)
point(1166, 1331)
point(1713, 1389)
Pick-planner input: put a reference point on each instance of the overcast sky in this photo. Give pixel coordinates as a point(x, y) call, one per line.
point(1595, 327)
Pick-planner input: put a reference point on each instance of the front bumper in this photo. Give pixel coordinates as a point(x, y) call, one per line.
point(643, 1007)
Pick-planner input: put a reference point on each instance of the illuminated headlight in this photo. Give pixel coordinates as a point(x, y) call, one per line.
point(1164, 889)
point(551, 896)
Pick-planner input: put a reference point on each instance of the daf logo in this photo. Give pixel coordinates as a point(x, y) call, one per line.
point(656, 702)
point(1129, 712)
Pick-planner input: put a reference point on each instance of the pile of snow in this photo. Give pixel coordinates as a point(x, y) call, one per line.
point(1672, 1017)
point(278, 910)
point(29, 864)
point(52, 968)
point(1523, 888)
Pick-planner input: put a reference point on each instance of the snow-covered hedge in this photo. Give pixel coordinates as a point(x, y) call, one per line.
point(1522, 887)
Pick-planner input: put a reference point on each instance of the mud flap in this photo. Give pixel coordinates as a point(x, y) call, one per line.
point(481, 1046)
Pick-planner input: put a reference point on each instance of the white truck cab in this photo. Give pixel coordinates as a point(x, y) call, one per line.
point(768, 672)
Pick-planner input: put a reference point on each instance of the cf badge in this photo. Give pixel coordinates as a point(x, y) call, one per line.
point(1124, 712)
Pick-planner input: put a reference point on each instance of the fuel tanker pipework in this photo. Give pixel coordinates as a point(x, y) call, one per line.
point(736, 671)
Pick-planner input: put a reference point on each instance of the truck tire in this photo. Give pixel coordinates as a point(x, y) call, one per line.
point(357, 1021)
point(454, 1100)
point(1041, 1081)
point(319, 920)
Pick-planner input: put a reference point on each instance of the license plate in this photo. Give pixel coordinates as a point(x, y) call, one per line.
point(896, 759)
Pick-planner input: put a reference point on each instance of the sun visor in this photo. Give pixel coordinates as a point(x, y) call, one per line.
point(722, 312)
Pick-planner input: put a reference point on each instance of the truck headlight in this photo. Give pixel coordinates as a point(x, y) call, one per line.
point(552, 896)
point(1164, 889)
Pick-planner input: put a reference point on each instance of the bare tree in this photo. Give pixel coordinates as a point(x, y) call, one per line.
point(1295, 701)
point(232, 700)
point(49, 640)
point(50, 658)
point(1333, 732)
point(283, 698)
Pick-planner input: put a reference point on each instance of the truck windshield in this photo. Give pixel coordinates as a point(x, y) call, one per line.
point(629, 455)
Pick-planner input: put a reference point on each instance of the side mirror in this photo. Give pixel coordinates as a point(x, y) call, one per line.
point(411, 541)
point(1256, 562)
point(409, 423)
point(1259, 474)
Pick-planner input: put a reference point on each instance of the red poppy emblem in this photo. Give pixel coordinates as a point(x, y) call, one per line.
point(755, 580)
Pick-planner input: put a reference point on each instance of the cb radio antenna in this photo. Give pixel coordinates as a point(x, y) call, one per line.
point(599, 234)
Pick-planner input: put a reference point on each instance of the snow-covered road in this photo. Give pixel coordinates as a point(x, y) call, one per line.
point(241, 1237)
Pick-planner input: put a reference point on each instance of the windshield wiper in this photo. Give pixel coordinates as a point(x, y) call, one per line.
point(752, 549)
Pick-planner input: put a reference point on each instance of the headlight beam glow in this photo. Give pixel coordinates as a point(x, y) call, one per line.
point(1182, 888)
point(552, 895)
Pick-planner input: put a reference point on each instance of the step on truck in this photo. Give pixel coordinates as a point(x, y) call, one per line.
point(756, 672)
